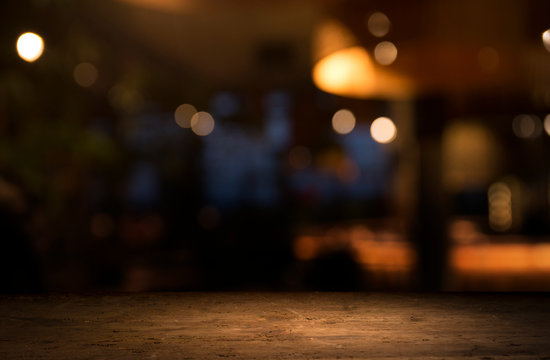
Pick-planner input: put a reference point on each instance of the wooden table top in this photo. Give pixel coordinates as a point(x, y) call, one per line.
point(276, 326)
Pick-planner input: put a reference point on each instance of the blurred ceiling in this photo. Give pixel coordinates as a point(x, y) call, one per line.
point(227, 42)
point(444, 46)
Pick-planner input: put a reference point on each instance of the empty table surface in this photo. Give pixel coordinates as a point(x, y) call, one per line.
point(276, 326)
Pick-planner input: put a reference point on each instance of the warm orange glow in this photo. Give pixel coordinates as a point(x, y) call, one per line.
point(305, 247)
point(347, 72)
point(351, 72)
point(465, 232)
point(343, 68)
point(331, 36)
point(383, 130)
point(501, 258)
point(488, 59)
point(387, 255)
point(479, 261)
point(30, 46)
point(546, 39)
point(381, 251)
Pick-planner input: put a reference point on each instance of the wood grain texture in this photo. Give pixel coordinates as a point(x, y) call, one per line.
point(276, 326)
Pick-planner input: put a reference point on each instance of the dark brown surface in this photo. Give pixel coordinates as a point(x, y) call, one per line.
point(276, 326)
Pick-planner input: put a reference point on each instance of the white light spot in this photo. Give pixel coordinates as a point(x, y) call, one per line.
point(383, 130)
point(30, 46)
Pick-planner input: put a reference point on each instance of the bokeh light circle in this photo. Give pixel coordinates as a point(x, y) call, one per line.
point(343, 121)
point(30, 46)
point(85, 74)
point(183, 115)
point(527, 126)
point(202, 123)
point(378, 24)
point(385, 53)
point(383, 130)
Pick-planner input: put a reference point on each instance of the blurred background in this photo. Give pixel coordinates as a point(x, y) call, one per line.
point(274, 145)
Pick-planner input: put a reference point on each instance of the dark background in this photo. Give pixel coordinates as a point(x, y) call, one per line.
point(101, 190)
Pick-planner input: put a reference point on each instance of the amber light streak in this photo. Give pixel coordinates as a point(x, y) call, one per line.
point(377, 251)
point(479, 261)
point(501, 258)
point(388, 256)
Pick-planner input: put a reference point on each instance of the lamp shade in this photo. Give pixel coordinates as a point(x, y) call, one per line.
point(345, 68)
